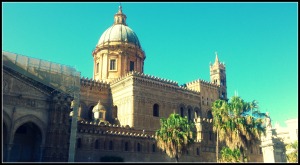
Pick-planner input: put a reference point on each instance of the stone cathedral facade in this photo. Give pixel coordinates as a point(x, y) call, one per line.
point(119, 108)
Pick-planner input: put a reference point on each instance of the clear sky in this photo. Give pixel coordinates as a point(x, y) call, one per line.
point(257, 41)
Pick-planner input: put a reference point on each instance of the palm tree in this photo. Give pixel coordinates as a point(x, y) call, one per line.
point(228, 155)
point(237, 123)
point(246, 124)
point(292, 154)
point(175, 135)
point(220, 117)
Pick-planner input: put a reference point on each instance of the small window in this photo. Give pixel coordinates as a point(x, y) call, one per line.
point(110, 145)
point(79, 143)
point(131, 66)
point(138, 147)
point(189, 115)
point(156, 110)
point(126, 146)
point(209, 115)
point(198, 151)
point(101, 115)
point(181, 112)
point(153, 147)
point(113, 64)
point(97, 69)
point(97, 144)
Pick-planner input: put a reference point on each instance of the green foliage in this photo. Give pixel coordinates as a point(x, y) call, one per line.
point(228, 155)
point(292, 154)
point(175, 135)
point(111, 159)
point(239, 124)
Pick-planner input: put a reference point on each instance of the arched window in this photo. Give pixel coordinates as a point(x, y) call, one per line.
point(189, 114)
point(209, 114)
point(156, 110)
point(153, 147)
point(126, 146)
point(198, 152)
point(115, 112)
point(79, 143)
point(90, 114)
point(138, 147)
point(181, 112)
point(97, 144)
point(110, 147)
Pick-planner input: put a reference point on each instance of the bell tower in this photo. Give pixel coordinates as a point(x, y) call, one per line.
point(218, 77)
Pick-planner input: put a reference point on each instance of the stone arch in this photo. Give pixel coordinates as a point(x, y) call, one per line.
point(82, 108)
point(31, 118)
point(181, 109)
point(209, 114)
point(189, 112)
point(27, 143)
point(5, 140)
point(90, 115)
point(198, 112)
point(7, 122)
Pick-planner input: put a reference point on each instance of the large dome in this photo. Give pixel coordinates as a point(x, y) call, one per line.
point(121, 33)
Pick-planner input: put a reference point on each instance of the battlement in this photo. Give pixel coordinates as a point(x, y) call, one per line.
point(146, 76)
point(112, 129)
point(204, 82)
point(90, 82)
point(154, 79)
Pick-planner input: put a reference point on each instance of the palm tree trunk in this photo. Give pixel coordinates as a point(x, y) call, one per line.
point(217, 146)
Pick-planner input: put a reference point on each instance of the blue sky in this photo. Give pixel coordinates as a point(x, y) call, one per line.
point(257, 41)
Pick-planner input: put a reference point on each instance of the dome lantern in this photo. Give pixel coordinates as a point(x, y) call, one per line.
point(120, 18)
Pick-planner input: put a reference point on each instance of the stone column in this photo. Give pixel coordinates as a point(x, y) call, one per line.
point(72, 147)
point(9, 148)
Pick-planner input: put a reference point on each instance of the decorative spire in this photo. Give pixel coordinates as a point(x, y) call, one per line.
point(120, 9)
point(217, 59)
point(120, 18)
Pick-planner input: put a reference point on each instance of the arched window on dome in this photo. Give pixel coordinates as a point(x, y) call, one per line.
point(112, 64)
point(131, 66)
point(97, 67)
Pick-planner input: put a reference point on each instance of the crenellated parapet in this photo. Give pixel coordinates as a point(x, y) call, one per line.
point(203, 82)
point(150, 79)
point(94, 83)
point(102, 128)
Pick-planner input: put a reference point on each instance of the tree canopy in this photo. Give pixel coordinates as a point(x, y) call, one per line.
point(175, 135)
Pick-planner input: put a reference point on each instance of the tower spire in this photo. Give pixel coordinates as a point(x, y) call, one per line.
point(120, 8)
point(217, 59)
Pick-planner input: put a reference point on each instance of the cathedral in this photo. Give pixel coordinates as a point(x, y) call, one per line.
point(51, 114)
